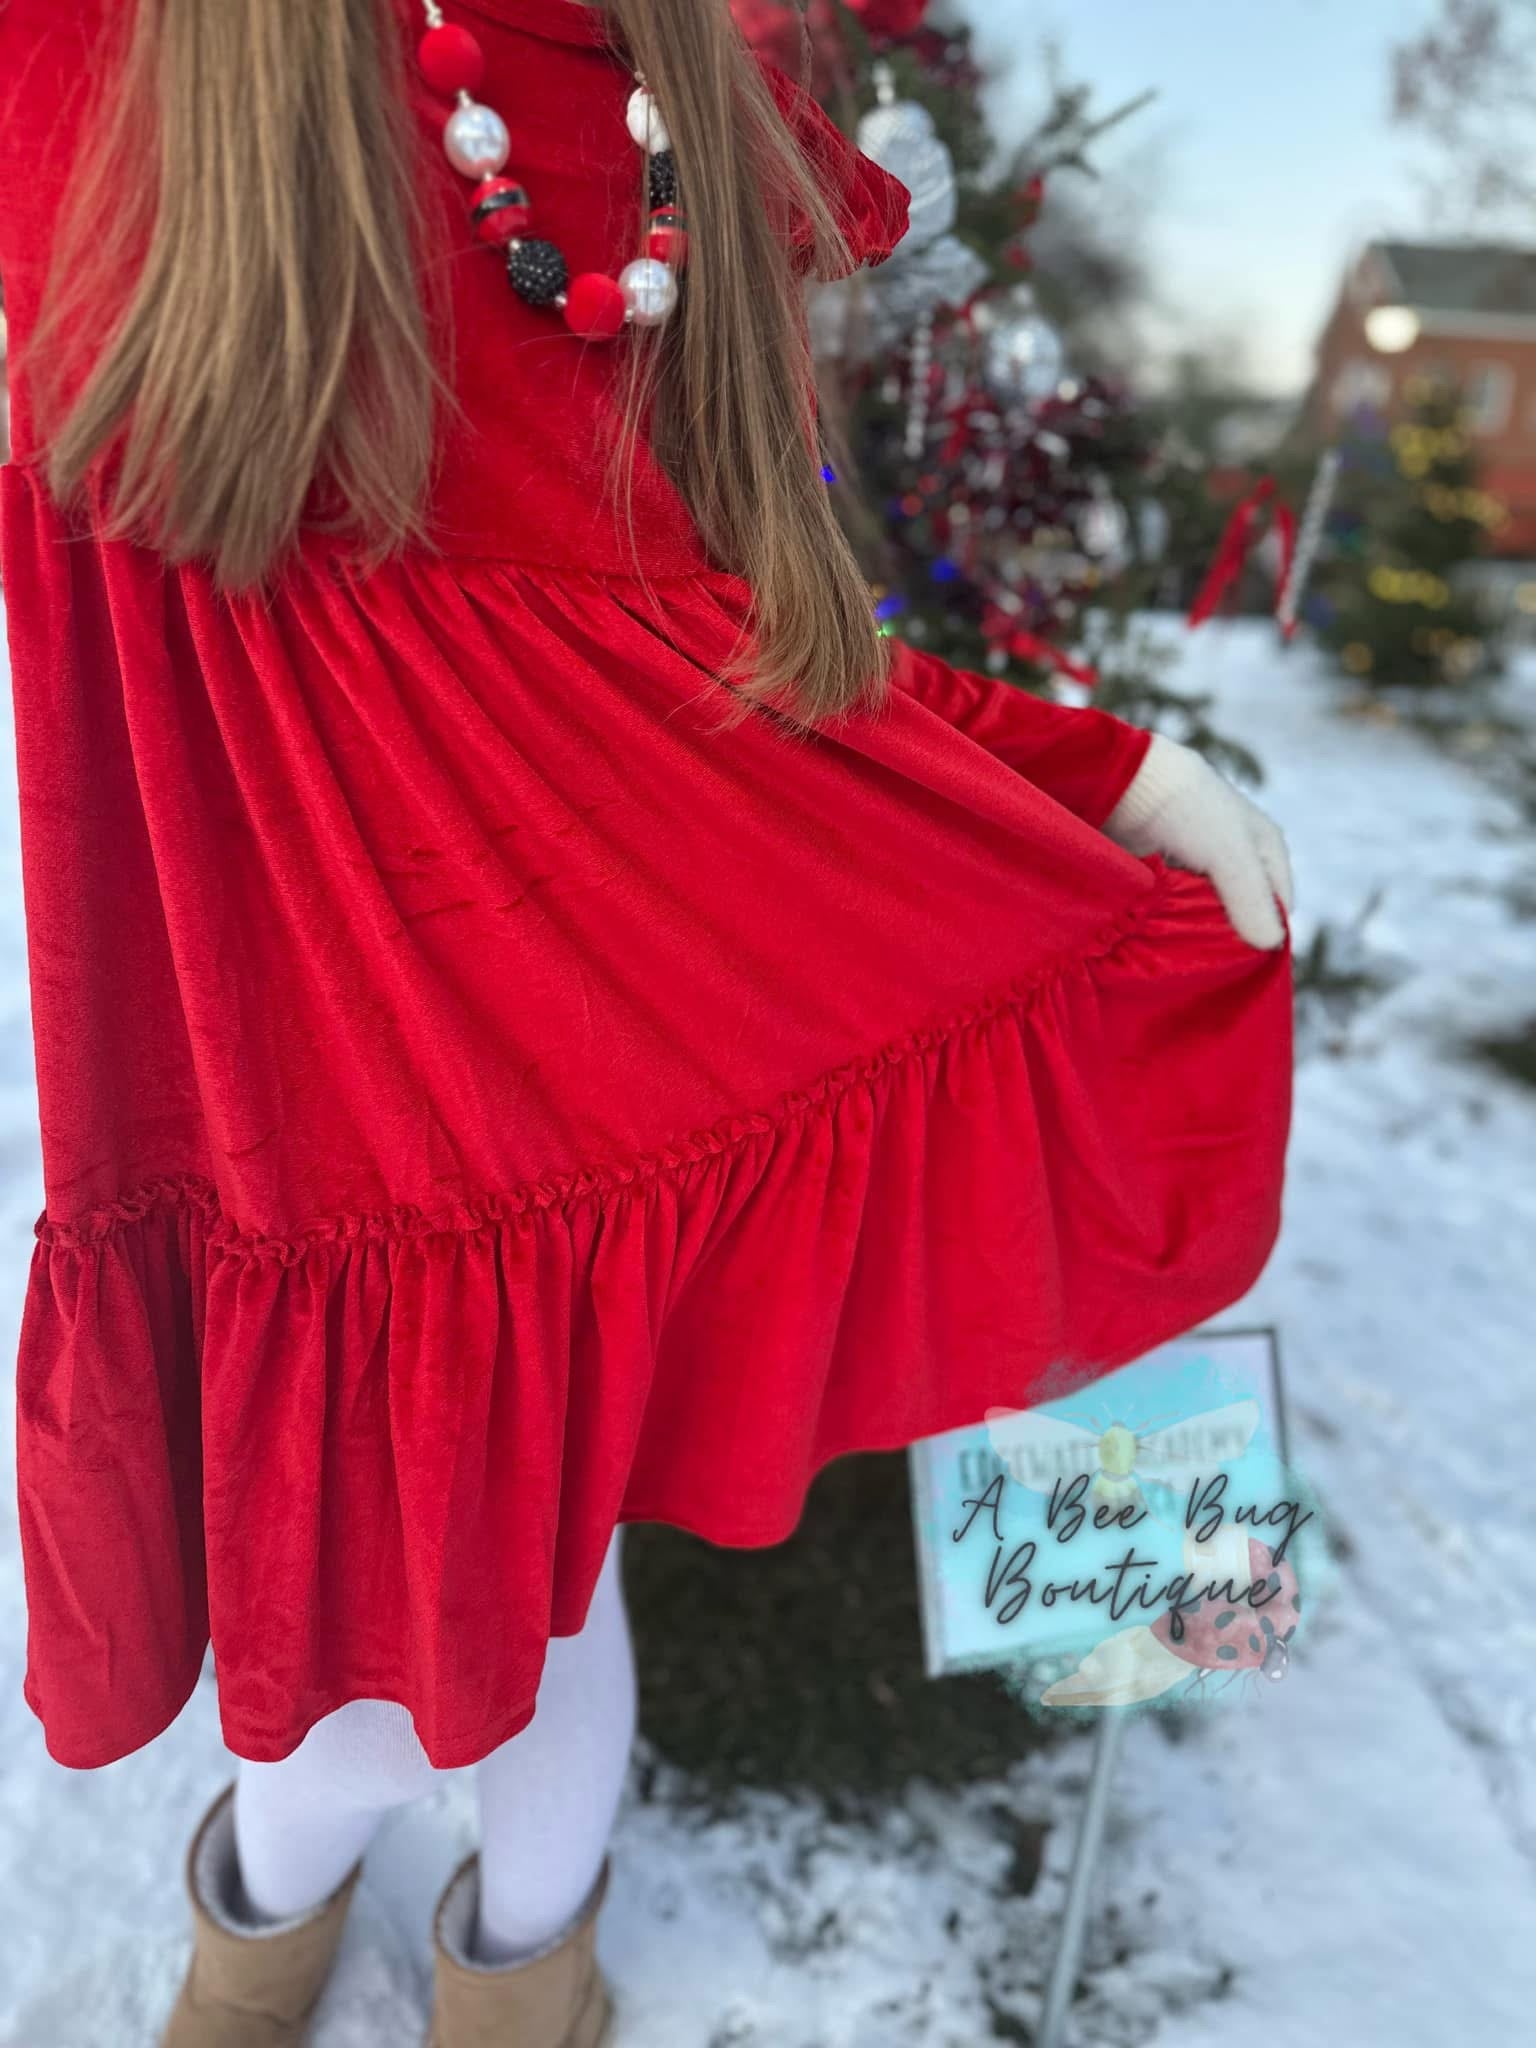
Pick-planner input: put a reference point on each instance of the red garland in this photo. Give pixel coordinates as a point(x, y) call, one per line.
point(894, 18)
point(774, 29)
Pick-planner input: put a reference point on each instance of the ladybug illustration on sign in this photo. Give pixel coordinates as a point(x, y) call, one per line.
point(1212, 1634)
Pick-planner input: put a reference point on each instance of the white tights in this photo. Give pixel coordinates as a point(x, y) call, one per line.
point(547, 1798)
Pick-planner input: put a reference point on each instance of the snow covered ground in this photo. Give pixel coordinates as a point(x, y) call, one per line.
point(1347, 1860)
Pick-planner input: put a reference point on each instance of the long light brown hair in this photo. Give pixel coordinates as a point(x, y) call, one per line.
point(254, 201)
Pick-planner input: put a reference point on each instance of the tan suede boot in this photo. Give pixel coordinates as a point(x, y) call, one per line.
point(555, 1999)
point(250, 1984)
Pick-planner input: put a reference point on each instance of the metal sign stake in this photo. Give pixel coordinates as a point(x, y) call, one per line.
point(1067, 1962)
point(956, 1474)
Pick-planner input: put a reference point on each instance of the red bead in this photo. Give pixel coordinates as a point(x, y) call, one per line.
point(667, 241)
point(595, 306)
point(451, 59)
point(501, 211)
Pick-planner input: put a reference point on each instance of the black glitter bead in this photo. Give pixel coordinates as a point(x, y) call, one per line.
point(664, 179)
point(537, 271)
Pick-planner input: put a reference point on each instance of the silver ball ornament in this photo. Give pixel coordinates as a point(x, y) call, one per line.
point(901, 138)
point(1103, 529)
point(1025, 356)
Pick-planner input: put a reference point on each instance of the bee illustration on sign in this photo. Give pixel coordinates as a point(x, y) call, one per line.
point(1040, 1450)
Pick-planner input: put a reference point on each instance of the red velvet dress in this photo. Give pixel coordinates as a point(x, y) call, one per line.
point(481, 1099)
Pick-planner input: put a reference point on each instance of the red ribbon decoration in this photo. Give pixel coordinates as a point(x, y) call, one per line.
point(1237, 543)
point(1025, 646)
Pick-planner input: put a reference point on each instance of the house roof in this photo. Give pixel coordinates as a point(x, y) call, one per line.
point(1475, 278)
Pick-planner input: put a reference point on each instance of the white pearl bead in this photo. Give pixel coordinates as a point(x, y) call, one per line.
point(650, 291)
point(645, 123)
point(476, 140)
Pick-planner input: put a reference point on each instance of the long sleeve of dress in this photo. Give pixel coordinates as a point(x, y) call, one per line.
point(868, 204)
point(1083, 759)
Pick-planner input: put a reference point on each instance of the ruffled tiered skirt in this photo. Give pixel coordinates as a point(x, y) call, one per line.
point(485, 1100)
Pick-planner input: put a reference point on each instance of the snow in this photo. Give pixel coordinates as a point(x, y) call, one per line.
point(1347, 1858)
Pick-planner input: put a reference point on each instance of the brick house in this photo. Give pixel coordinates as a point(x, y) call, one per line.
point(1407, 309)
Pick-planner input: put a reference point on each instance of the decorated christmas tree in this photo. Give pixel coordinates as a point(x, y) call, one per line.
point(1015, 506)
point(1394, 604)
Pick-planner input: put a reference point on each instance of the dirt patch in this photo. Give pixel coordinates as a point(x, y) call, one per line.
point(1514, 1053)
point(800, 1667)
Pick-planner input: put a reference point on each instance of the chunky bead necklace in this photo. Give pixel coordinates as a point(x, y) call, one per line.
point(477, 143)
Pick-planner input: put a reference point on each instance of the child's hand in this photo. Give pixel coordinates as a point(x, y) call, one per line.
point(1179, 807)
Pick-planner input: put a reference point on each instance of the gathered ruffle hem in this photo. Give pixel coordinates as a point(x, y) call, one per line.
point(381, 1458)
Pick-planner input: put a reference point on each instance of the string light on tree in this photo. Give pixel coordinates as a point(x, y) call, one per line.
point(1409, 586)
point(1396, 602)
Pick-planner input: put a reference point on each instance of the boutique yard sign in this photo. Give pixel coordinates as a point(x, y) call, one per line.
point(1140, 1543)
point(1132, 1543)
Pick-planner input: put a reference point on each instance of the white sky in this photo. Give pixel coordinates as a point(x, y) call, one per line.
point(1268, 157)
